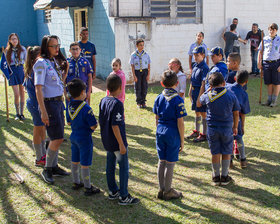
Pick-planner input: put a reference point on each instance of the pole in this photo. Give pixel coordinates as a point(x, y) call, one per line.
point(261, 76)
point(6, 94)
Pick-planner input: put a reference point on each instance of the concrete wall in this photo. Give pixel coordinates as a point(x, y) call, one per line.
point(18, 17)
point(169, 41)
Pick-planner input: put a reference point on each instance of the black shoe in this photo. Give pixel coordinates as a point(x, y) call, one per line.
point(17, 118)
point(114, 196)
point(91, 191)
point(268, 102)
point(128, 200)
point(200, 138)
point(76, 186)
point(57, 171)
point(47, 175)
point(226, 180)
point(160, 195)
point(21, 117)
point(216, 180)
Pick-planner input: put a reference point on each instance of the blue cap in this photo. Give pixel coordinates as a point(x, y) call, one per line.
point(217, 51)
point(198, 50)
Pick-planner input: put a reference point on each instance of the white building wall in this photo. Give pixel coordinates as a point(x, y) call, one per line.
point(173, 40)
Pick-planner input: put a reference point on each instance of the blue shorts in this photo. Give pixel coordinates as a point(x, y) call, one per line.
point(195, 93)
point(55, 110)
point(35, 113)
point(82, 149)
point(17, 77)
point(220, 140)
point(168, 147)
point(270, 73)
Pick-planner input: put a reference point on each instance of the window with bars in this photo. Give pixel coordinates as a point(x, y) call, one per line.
point(184, 10)
point(47, 16)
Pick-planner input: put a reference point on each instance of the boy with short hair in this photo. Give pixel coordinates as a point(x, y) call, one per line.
point(79, 67)
point(222, 121)
point(140, 65)
point(170, 111)
point(233, 62)
point(82, 120)
point(242, 96)
point(88, 49)
point(112, 126)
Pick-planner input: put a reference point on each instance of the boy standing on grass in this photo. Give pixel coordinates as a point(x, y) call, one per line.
point(170, 111)
point(140, 65)
point(242, 96)
point(222, 122)
point(83, 123)
point(111, 120)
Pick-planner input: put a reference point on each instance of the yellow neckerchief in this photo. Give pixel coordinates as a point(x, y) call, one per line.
point(72, 116)
point(213, 97)
point(169, 94)
point(140, 58)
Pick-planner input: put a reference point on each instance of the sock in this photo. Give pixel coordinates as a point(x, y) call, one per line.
point(160, 172)
point(216, 169)
point(50, 157)
point(197, 123)
point(86, 177)
point(241, 148)
point(43, 147)
point(55, 161)
point(225, 167)
point(269, 98)
point(37, 148)
point(17, 108)
point(204, 126)
point(21, 107)
point(75, 173)
point(168, 176)
point(274, 98)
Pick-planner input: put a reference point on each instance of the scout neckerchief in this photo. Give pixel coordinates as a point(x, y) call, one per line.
point(73, 113)
point(56, 68)
point(15, 50)
point(140, 58)
point(169, 93)
point(77, 66)
point(271, 43)
point(213, 95)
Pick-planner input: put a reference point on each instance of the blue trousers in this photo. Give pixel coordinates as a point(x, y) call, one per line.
point(122, 160)
point(254, 57)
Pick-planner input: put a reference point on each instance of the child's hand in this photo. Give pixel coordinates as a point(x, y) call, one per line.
point(260, 66)
point(135, 79)
point(148, 78)
point(235, 131)
point(68, 123)
point(122, 150)
point(181, 147)
point(198, 104)
point(242, 129)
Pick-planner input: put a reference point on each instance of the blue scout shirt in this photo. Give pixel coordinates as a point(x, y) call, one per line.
point(243, 100)
point(88, 50)
point(111, 112)
point(81, 117)
point(46, 75)
point(199, 73)
point(140, 60)
point(194, 45)
point(169, 106)
point(30, 88)
point(15, 61)
point(220, 104)
point(84, 69)
point(271, 48)
point(231, 77)
point(219, 67)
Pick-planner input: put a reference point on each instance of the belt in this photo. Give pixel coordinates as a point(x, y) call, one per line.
point(141, 70)
point(271, 61)
point(57, 98)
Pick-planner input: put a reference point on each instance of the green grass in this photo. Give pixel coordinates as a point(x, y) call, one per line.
point(254, 198)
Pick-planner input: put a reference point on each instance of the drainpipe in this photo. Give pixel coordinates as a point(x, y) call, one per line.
point(118, 5)
point(142, 10)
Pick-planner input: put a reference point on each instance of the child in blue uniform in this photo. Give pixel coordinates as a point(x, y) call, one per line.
point(238, 89)
point(79, 67)
point(112, 126)
point(222, 121)
point(170, 112)
point(233, 63)
point(140, 65)
point(88, 49)
point(199, 73)
point(39, 130)
point(16, 55)
point(83, 123)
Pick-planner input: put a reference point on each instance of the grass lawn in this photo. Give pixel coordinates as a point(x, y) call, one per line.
point(254, 198)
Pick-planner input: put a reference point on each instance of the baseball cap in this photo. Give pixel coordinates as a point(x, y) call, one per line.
point(217, 51)
point(198, 50)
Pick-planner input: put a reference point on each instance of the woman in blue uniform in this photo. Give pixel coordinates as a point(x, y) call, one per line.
point(16, 55)
point(49, 70)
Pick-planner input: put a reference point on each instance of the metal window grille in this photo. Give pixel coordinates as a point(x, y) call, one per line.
point(47, 16)
point(160, 8)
